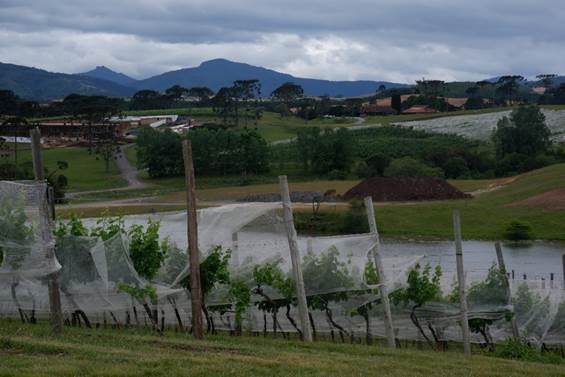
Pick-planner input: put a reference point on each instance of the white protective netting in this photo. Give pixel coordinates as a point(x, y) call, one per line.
point(342, 294)
point(26, 247)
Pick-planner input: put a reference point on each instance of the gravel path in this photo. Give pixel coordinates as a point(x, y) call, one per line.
point(127, 171)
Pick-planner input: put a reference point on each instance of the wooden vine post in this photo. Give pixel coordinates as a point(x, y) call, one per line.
point(192, 231)
point(461, 281)
point(376, 253)
point(295, 259)
point(502, 267)
point(45, 213)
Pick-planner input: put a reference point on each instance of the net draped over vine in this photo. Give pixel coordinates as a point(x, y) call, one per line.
point(340, 279)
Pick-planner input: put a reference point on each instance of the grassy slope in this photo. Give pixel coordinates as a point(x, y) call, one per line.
point(483, 217)
point(30, 351)
point(85, 172)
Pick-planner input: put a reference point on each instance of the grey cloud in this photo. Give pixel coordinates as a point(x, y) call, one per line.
point(385, 39)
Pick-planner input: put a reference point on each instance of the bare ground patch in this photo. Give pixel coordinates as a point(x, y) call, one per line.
point(551, 200)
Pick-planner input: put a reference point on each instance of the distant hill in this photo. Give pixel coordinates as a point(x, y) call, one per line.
point(221, 72)
point(38, 84)
point(105, 73)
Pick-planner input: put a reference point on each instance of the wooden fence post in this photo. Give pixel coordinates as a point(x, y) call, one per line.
point(192, 230)
point(461, 280)
point(46, 227)
point(376, 253)
point(235, 249)
point(502, 267)
point(295, 259)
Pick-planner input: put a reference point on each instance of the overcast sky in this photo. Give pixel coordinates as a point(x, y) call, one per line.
point(394, 40)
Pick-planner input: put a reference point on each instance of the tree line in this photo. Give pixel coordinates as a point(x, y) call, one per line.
point(215, 152)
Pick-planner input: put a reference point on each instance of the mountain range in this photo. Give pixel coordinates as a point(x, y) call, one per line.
point(38, 84)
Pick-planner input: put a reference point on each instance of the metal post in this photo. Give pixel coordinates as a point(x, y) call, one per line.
point(502, 267)
point(461, 281)
point(376, 253)
point(295, 258)
point(46, 225)
point(192, 230)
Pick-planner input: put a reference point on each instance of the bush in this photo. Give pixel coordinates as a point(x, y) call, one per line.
point(518, 231)
point(362, 170)
point(355, 219)
point(337, 175)
point(519, 349)
point(456, 167)
point(409, 167)
point(377, 164)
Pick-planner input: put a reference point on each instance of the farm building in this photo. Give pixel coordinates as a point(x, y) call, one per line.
point(420, 109)
point(65, 130)
point(374, 109)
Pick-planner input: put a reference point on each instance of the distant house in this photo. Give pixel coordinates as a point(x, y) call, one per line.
point(374, 109)
point(420, 109)
point(539, 90)
point(387, 101)
point(154, 121)
point(458, 102)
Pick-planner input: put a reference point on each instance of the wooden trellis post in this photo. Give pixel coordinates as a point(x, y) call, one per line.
point(192, 230)
point(295, 259)
point(376, 253)
point(502, 267)
point(46, 225)
point(461, 281)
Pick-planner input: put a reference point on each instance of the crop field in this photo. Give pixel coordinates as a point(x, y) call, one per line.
point(480, 126)
point(29, 350)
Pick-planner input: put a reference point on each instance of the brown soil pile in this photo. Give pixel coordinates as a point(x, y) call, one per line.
point(554, 199)
point(383, 189)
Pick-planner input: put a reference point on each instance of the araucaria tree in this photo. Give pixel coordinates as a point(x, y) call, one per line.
point(287, 94)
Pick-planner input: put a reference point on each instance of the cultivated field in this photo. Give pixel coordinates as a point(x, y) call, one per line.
point(481, 126)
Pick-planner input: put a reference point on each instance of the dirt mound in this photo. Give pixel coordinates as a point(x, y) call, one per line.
point(554, 199)
point(383, 189)
point(295, 196)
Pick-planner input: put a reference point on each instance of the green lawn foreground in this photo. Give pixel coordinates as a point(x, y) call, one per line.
point(29, 351)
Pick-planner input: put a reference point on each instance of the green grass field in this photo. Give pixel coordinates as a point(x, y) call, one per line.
point(483, 217)
point(28, 350)
point(85, 171)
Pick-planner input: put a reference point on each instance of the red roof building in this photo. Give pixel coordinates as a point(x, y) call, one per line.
point(420, 109)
